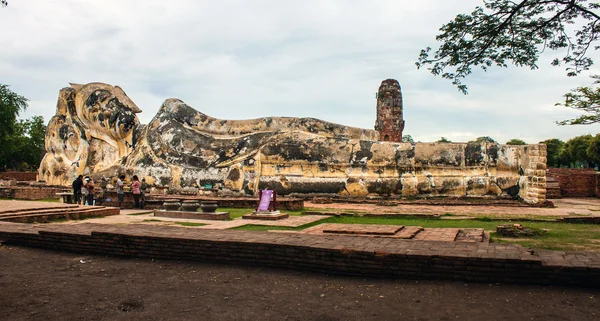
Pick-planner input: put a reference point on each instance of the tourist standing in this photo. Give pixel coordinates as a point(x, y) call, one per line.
point(120, 190)
point(89, 186)
point(103, 185)
point(77, 184)
point(136, 190)
point(145, 190)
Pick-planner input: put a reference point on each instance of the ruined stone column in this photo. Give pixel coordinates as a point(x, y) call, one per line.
point(533, 160)
point(389, 122)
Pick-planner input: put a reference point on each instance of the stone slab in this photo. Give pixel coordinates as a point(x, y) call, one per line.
point(267, 217)
point(217, 216)
point(438, 234)
point(13, 206)
point(365, 229)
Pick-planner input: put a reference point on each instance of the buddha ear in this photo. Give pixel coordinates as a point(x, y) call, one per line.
point(123, 98)
point(77, 87)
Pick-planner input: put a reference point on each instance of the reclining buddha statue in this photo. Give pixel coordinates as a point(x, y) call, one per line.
point(96, 132)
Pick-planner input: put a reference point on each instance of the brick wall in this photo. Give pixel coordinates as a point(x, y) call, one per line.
point(576, 182)
point(597, 184)
point(31, 192)
point(19, 176)
point(340, 255)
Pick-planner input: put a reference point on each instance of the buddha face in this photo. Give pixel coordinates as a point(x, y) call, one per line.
point(105, 112)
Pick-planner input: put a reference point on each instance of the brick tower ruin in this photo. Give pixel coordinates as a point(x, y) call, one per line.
point(389, 122)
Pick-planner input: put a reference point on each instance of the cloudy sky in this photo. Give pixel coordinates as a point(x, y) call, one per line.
point(256, 58)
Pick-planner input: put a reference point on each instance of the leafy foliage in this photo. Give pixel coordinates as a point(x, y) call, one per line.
point(575, 152)
point(24, 148)
point(444, 140)
point(585, 99)
point(11, 104)
point(506, 31)
point(516, 141)
point(593, 150)
point(22, 142)
point(485, 139)
point(408, 139)
point(554, 146)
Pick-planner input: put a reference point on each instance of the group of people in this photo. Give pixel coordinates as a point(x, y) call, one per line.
point(84, 190)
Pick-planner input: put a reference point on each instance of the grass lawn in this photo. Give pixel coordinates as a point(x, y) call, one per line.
point(239, 212)
point(189, 224)
point(560, 236)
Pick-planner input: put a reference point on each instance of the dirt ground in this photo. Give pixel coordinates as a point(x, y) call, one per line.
point(45, 285)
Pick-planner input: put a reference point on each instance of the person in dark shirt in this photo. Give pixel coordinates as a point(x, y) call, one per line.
point(77, 184)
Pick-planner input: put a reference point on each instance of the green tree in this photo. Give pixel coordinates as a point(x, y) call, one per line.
point(485, 139)
point(407, 139)
point(565, 157)
point(576, 151)
point(24, 148)
point(593, 151)
point(506, 31)
point(585, 99)
point(11, 104)
point(443, 140)
point(554, 146)
point(516, 141)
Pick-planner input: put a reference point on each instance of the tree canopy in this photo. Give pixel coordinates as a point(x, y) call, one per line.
point(575, 152)
point(443, 140)
point(11, 104)
point(516, 141)
point(24, 148)
point(21, 141)
point(593, 150)
point(485, 139)
point(408, 139)
point(585, 99)
point(579, 151)
point(554, 146)
point(505, 31)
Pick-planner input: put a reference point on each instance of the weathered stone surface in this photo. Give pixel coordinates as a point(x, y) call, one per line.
point(182, 147)
point(91, 131)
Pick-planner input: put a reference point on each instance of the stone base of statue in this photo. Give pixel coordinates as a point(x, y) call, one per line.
point(265, 215)
point(217, 216)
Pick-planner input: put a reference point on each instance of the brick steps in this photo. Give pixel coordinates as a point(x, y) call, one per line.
point(438, 234)
point(44, 216)
point(408, 232)
point(38, 206)
point(398, 232)
point(43, 211)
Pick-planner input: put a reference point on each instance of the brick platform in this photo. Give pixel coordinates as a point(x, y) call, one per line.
point(266, 217)
point(366, 229)
point(42, 212)
point(218, 216)
point(283, 203)
point(12, 206)
point(398, 232)
point(438, 234)
point(351, 255)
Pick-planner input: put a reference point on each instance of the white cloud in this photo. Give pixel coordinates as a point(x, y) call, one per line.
point(250, 59)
